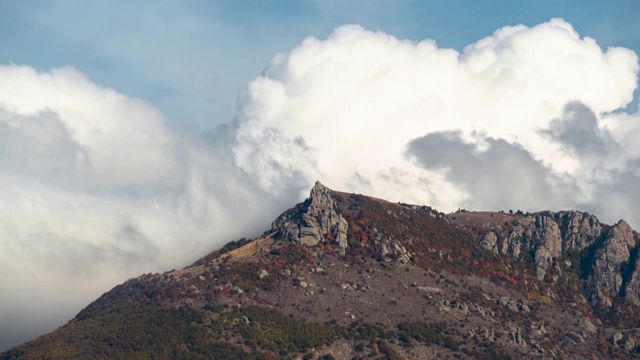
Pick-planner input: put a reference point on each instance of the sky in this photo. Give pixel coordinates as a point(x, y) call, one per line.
point(136, 136)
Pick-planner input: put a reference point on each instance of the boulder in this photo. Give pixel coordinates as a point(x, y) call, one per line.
point(262, 273)
point(512, 305)
point(586, 326)
point(490, 242)
point(574, 337)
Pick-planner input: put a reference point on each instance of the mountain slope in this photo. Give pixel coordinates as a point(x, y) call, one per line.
point(349, 276)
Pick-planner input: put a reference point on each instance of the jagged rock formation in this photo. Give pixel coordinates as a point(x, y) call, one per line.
point(316, 220)
point(606, 277)
point(550, 235)
point(579, 230)
point(539, 233)
point(614, 269)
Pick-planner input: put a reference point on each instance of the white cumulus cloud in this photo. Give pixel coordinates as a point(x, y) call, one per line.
point(345, 109)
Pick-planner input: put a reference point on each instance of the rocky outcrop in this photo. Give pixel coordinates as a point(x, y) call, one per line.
point(632, 290)
point(490, 242)
point(514, 335)
point(316, 220)
point(548, 236)
point(606, 277)
point(627, 342)
point(579, 230)
point(391, 248)
point(538, 233)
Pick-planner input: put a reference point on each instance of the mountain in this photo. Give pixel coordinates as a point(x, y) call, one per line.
point(347, 276)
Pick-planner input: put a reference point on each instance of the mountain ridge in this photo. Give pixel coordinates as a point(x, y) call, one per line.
point(373, 278)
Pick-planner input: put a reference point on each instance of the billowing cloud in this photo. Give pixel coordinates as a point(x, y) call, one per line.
point(527, 108)
point(94, 189)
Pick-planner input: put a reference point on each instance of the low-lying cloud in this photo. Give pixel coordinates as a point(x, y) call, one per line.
point(95, 187)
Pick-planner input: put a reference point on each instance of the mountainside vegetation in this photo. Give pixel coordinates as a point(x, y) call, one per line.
point(346, 276)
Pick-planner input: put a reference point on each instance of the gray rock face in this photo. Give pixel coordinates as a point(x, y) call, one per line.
point(579, 230)
point(490, 242)
point(341, 233)
point(598, 297)
point(316, 220)
point(538, 233)
point(548, 236)
point(309, 233)
point(632, 291)
point(606, 276)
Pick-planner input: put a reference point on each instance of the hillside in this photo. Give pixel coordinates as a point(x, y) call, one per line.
point(347, 276)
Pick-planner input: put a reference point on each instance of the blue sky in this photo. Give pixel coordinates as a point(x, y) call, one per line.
point(136, 136)
point(191, 58)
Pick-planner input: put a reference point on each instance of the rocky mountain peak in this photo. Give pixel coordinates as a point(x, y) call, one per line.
point(317, 219)
point(622, 233)
point(320, 196)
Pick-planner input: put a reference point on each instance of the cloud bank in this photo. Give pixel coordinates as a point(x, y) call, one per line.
point(96, 188)
point(527, 109)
